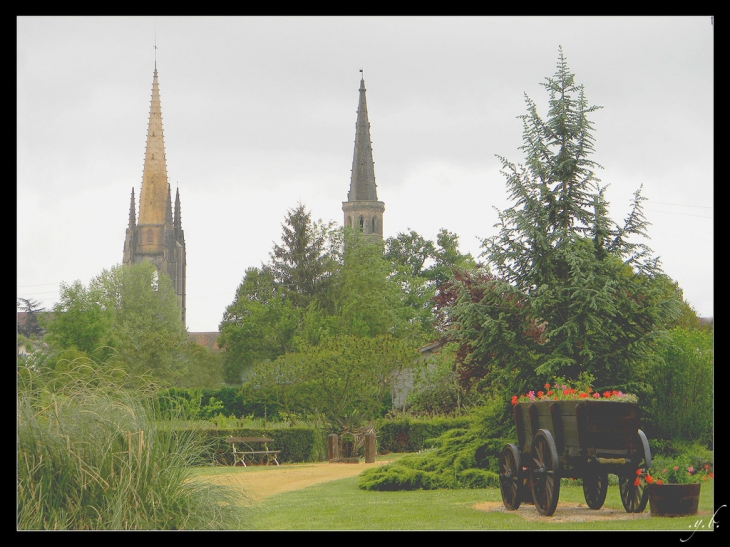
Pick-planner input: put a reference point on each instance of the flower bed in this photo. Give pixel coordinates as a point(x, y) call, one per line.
point(562, 390)
point(678, 471)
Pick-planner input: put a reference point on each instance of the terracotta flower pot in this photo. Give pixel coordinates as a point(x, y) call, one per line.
point(673, 500)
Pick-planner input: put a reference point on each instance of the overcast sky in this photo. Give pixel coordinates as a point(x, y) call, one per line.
point(259, 115)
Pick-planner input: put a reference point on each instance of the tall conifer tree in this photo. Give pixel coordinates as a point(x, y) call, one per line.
point(573, 290)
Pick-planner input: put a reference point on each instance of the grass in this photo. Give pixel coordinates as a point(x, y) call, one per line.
point(341, 505)
point(90, 456)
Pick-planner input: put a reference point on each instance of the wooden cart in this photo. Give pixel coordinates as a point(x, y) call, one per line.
point(579, 439)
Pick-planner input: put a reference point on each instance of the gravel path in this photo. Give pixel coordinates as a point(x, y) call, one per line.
point(260, 482)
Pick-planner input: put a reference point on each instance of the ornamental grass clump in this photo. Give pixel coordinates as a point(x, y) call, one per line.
point(92, 455)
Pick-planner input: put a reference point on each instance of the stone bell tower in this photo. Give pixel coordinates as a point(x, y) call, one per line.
point(157, 234)
point(362, 209)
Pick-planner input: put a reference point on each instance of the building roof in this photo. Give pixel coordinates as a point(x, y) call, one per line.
point(206, 339)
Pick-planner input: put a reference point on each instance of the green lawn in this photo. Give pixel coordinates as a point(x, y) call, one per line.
point(341, 505)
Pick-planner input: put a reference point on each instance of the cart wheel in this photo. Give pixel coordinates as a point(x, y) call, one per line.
point(545, 473)
point(634, 497)
point(595, 487)
point(510, 477)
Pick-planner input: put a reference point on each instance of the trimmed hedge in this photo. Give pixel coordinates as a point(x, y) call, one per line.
point(413, 435)
point(297, 444)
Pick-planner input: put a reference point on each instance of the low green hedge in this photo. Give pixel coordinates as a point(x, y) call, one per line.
point(297, 444)
point(413, 435)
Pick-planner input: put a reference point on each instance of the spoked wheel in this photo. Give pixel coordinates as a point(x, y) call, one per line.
point(634, 494)
point(545, 473)
point(510, 477)
point(595, 487)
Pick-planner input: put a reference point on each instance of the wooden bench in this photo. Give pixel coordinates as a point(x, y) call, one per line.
point(253, 447)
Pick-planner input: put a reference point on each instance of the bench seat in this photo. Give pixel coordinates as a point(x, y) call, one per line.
point(240, 455)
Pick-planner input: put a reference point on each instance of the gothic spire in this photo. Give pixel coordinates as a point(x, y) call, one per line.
point(132, 215)
point(152, 199)
point(362, 182)
point(178, 212)
point(168, 209)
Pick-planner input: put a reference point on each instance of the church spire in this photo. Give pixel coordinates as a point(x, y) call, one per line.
point(362, 209)
point(362, 181)
point(152, 206)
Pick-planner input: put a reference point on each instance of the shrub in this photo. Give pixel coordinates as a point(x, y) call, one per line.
point(399, 476)
point(478, 478)
point(463, 457)
point(407, 434)
point(683, 387)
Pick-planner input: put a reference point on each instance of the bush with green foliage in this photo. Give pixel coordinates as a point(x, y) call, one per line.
point(408, 434)
point(92, 456)
point(188, 404)
point(466, 457)
point(682, 387)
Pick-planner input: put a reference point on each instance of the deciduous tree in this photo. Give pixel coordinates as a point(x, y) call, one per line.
point(129, 314)
point(259, 325)
point(368, 302)
point(345, 378)
point(419, 267)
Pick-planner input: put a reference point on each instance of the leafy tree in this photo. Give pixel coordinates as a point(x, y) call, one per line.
point(347, 378)
point(487, 319)
point(280, 304)
point(419, 266)
point(571, 291)
point(80, 320)
point(410, 254)
point(688, 318)
point(368, 302)
point(448, 258)
point(203, 367)
point(258, 326)
point(152, 337)
point(129, 314)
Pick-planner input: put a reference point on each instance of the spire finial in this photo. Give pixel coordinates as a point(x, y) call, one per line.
point(155, 46)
